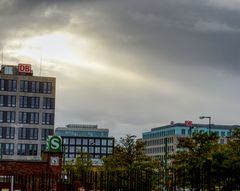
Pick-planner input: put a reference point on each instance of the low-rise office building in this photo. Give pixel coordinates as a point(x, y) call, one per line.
point(84, 138)
point(164, 139)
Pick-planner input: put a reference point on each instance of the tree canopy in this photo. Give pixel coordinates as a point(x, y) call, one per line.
point(129, 154)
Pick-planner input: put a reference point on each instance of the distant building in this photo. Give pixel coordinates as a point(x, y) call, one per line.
point(27, 107)
point(163, 140)
point(84, 138)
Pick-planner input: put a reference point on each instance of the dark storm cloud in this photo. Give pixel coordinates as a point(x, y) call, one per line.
point(193, 45)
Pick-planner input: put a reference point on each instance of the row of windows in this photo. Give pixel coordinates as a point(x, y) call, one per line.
point(27, 102)
point(35, 87)
point(159, 141)
point(27, 149)
point(158, 150)
point(218, 133)
point(22, 149)
point(7, 101)
point(26, 117)
point(28, 133)
point(159, 134)
point(71, 156)
point(24, 133)
point(86, 149)
point(26, 86)
point(7, 132)
point(8, 85)
point(85, 141)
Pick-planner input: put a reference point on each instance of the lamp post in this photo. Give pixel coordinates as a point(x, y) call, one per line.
point(209, 122)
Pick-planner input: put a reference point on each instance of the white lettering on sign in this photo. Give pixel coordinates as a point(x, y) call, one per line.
point(24, 68)
point(55, 143)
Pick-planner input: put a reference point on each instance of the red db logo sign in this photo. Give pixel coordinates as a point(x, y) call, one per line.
point(24, 68)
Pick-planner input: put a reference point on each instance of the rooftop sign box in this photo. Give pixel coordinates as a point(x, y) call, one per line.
point(54, 144)
point(24, 68)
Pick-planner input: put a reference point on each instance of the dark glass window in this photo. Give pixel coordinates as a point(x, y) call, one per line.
point(7, 101)
point(28, 133)
point(35, 87)
point(28, 117)
point(48, 119)
point(8, 85)
point(7, 148)
point(46, 133)
point(47, 87)
point(23, 86)
point(7, 132)
point(48, 103)
point(27, 149)
point(29, 102)
point(183, 131)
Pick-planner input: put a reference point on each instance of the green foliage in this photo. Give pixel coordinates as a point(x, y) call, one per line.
point(202, 162)
point(83, 163)
point(129, 154)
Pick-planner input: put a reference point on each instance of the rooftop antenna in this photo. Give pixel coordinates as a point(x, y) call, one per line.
point(2, 55)
point(41, 66)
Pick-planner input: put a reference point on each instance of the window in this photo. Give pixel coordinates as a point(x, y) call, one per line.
point(97, 142)
point(222, 134)
point(104, 150)
point(85, 141)
point(48, 119)
point(48, 103)
point(7, 132)
point(27, 149)
point(110, 142)
point(110, 150)
point(8, 85)
point(29, 102)
point(28, 117)
point(72, 149)
point(97, 149)
point(7, 148)
point(43, 147)
point(10, 116)
point(104, 142)
point(47, 87)
point(65, 141)
point(46, 133)
point(7, 101)
point(90, 149)
point(28, 133)
point(78, 141)
point(72, 141)
point(35, 87)
point(24, 86)
point(183, 131)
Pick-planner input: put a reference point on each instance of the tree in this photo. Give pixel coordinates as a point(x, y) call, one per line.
point(193, 161)
point(82, 164)
point(129, 154)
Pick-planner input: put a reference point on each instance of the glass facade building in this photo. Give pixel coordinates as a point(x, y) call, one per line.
point(27, 109)
point(163, 140)
point(83, 138)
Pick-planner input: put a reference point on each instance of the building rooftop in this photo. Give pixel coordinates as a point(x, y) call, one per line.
point(213, 126)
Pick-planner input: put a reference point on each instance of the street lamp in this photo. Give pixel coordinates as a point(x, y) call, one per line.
point(209, 122)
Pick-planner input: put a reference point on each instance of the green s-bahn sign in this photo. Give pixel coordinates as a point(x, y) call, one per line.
point(54, 144)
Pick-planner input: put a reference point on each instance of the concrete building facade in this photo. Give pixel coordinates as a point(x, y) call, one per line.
point(27, 111)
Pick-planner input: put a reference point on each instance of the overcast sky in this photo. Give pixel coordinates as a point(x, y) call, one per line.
point(130, 65)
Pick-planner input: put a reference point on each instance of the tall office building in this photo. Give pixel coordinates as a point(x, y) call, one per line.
point(27, 107)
